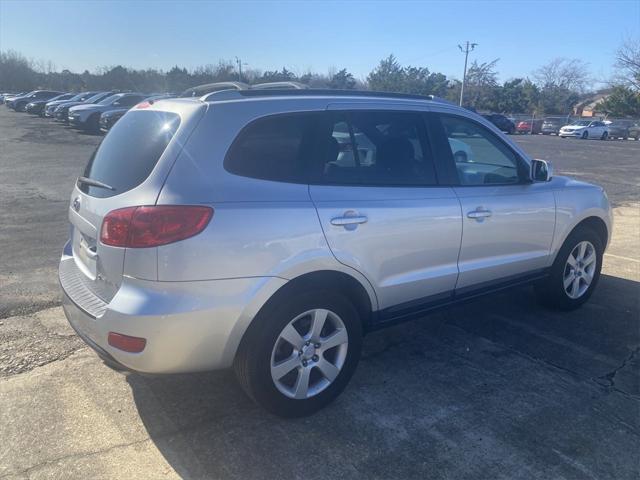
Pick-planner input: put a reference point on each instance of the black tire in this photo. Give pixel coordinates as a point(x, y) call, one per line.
point(551, 292)
point(93, 123)
point(252, 364)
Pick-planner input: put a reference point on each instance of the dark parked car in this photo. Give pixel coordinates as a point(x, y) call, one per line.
point(529, 126)
point(634, 131)
point(19, 103)
point(552, 125)
point(37, 106)
point(620, 129)
point(51, 105)
point(61, 112)
point(109, 118)
point(502, 122)
point(87, 117)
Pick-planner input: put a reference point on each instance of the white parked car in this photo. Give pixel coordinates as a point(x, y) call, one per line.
point(585, 129)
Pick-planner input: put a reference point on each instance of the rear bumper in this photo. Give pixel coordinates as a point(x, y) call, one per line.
point(189, 326)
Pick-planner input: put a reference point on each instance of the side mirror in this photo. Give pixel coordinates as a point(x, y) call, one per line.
point(541, 170)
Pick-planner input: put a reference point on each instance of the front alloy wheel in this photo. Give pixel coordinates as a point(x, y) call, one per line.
point(575, 271)
point(579, 269)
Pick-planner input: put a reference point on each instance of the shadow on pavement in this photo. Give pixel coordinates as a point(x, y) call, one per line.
point(495, 388)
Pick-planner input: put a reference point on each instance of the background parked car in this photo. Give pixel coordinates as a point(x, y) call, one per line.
point(619, 128)
point(529, 126)
point(9, 97)
point(51, 105)
point(19, 103)
point(502, 122)
point(37, 106)
point(87, 117)
point(4, 96)
point(634, 131)
point(109, 118)
point(552, 125)
point(585, 129)
point(61, 112)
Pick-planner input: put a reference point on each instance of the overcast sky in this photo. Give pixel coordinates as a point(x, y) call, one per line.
point(318, 35)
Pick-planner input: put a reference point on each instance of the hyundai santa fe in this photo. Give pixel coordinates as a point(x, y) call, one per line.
point(269, 230)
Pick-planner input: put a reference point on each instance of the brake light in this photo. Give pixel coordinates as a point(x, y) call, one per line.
point(140, 227)
point(126, 343)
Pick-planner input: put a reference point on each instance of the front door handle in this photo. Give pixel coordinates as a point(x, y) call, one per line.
point(479, 214)
point(350, 220)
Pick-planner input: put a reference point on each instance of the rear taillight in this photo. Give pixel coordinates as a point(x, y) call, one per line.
point(139, 227)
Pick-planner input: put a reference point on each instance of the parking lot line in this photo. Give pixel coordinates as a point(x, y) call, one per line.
point(622, 258)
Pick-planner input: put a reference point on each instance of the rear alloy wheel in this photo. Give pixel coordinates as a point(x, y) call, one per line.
point(585, 135)
point(574, 273)
point(299, 355)
point(303, 365)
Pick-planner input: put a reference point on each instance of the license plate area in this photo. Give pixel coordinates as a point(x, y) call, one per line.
point(84, 252)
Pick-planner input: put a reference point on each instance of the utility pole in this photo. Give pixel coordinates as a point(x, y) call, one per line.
point(467, 48)
point(239, 62)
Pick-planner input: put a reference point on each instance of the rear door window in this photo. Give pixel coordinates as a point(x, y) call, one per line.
point(376, 148)
point(127, 155)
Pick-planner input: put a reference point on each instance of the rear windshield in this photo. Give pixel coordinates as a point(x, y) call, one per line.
point(129, 152)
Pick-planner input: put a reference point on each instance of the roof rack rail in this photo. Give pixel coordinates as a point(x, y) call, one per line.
point(235, 90)
point(337, 93)
point(200, 90)
point(279, 86)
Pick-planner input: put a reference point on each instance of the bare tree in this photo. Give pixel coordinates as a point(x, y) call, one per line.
point(566, 73)
point(628, 63)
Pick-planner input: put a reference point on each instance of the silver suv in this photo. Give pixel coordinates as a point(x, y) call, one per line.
point(268, 230)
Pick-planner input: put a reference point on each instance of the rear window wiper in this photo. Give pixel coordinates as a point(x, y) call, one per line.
point(94, 183)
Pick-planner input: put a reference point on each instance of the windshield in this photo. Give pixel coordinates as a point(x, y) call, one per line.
point(109, 100)
point(81, 96)
point(94, 98)
point(582, 123)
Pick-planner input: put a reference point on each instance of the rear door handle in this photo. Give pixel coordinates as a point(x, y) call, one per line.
point(350, 220)
point(479, 214)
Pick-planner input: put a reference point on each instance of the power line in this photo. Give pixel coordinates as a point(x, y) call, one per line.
point(467, 48)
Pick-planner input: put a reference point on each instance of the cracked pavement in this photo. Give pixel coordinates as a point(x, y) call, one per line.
point(495, 388)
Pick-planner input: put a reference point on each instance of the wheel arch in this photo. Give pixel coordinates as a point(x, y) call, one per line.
point(597, 225)
point(348, 285)
point(594, 223)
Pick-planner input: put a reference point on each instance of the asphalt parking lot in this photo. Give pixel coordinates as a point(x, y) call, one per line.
point(496, 388)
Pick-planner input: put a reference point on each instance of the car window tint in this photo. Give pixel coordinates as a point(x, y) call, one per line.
point(480, 157)
point(271, 149)
point(126, 156)
point(129, 101)
point(376, 148)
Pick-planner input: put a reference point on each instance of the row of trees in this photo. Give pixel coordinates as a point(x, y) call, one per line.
point(554, 88)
